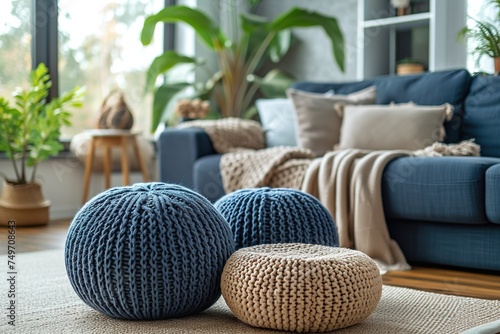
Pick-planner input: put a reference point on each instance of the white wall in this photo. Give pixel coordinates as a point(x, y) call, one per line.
point(312, 59)
point(62, 183)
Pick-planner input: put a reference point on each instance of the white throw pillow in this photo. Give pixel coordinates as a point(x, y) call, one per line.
point(277, 117)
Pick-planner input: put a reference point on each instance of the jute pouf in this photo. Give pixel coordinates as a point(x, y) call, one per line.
point(301, 287)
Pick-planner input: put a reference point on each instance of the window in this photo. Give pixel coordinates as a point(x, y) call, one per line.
point(479, 10)
point(15, 45)
point(106, 54)
point(92, 43)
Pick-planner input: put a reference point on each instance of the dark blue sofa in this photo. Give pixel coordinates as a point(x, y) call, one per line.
point(442, 211)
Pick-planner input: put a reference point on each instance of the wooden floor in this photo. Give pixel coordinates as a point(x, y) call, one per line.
point(480, 285)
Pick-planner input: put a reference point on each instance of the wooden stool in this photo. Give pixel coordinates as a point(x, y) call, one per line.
point(108, 139)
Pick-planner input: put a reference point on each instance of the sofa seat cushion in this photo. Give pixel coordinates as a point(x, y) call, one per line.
point(207, 179)
point(461, 245)
point(493, 194)
point(445, 189)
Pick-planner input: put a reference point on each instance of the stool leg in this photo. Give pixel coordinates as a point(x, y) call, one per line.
point(125, 169)
point(88, 170)
point(107, 167)
point(142, 166)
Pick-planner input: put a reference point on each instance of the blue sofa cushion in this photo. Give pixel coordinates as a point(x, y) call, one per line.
point(445, 189)
point(493, 194)
point(207, 179)
point(482, 114)
point(433, 88)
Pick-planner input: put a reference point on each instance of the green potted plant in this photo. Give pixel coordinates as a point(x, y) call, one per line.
point(234, 86)
point(409, 66)
point(29, 134)
point(486, 36)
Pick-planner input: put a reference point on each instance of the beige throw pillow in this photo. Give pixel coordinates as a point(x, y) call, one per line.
point(391, 127)
point(318, 125)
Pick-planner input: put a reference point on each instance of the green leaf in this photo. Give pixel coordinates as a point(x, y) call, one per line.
point(274, 83)
point(298, 17)
point(163, 95)
point(164, 63)
point(204, 27)
point(251, 23)
point(250, 113)
point(280, 45)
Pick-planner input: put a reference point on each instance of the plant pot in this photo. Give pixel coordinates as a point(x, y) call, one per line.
point(403, 69)
point(23, 203)
point(497, 64)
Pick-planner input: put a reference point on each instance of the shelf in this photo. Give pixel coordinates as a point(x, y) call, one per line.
point(399, 22)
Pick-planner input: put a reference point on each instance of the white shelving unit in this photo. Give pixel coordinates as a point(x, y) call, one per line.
point(429, 36)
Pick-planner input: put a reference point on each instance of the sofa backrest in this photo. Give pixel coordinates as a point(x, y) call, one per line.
point(433, 88)
point(481, 118)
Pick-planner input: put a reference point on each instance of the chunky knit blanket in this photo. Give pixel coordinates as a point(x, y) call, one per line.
point(274, 167)
point(347, 182)
point(230, 134)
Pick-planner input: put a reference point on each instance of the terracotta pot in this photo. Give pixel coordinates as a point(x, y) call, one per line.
point(23, 203)
point(403, 69)
point(497, 64)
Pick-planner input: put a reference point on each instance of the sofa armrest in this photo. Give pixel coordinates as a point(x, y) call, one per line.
point(493, 194)
point(178, 149)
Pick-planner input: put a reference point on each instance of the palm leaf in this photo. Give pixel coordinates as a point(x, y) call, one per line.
point(274, 84)
point(204, 27)
point(164, 63)
point(298, 17)
point(163, 95)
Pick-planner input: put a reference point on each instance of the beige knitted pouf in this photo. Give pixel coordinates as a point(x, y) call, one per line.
point(301, 287)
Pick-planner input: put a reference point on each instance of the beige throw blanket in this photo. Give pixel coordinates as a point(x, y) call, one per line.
point(348, 183)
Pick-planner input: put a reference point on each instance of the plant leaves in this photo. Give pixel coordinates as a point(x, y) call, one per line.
point(280, 45)
point(164, 63)
point(204, 27)
point(274, 84)
point(162, 96)
point(251, 23)
point(298, 17)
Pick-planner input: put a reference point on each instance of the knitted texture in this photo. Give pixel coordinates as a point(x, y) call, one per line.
point(272, 167)
point(277, 215)
point(229, 134)
point(301, 288)
point(148, 251)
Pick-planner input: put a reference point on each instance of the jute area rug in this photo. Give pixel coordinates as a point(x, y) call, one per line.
point(46, 303)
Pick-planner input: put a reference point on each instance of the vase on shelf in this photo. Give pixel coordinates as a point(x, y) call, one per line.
point(401, 6)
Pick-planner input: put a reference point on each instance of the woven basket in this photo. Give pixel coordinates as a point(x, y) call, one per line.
point(23, 203)
point(301, 287)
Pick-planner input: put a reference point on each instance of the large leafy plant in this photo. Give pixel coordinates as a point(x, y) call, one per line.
point(30, 130)
point(486, 35)
point(234, 85)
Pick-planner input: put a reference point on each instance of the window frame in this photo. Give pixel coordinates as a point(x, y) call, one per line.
point(44, 41)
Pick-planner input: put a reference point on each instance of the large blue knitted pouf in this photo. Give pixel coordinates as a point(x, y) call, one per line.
point(149, 251)
point(277, 215)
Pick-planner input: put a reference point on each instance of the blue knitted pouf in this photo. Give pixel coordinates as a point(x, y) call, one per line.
point(277, 215)
point(148, 251)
